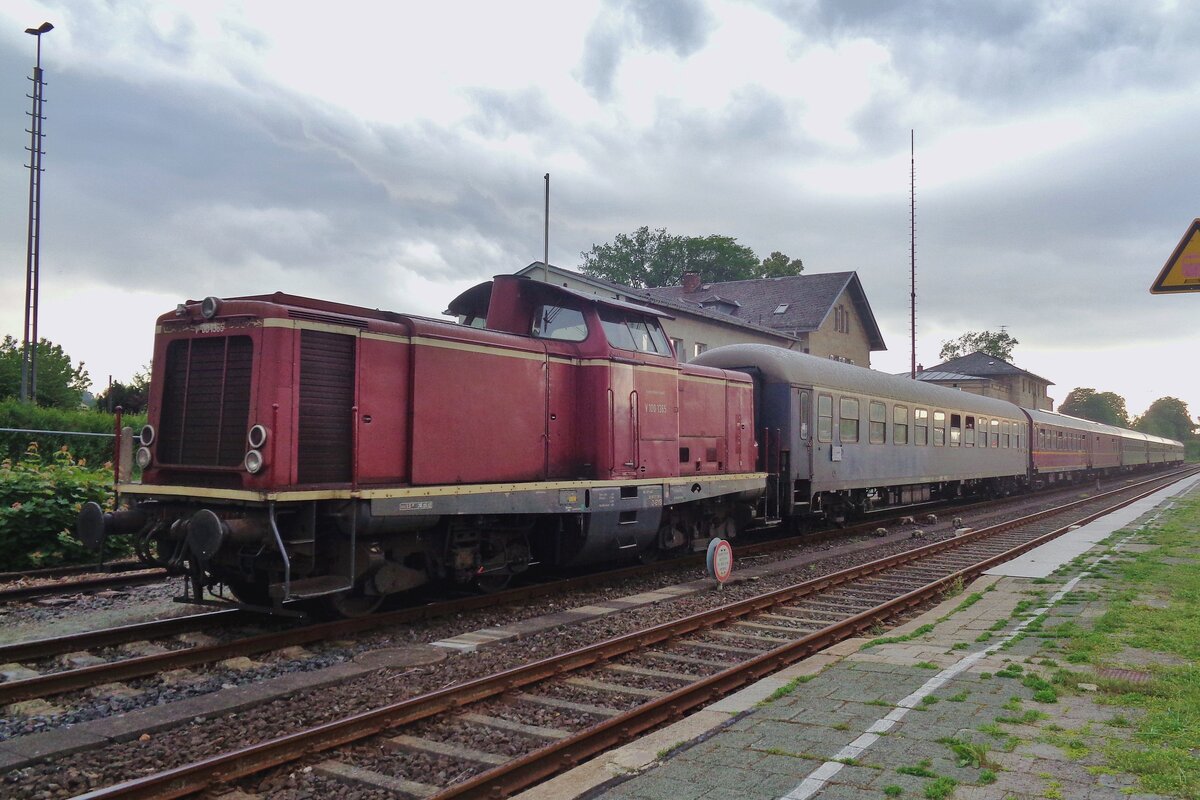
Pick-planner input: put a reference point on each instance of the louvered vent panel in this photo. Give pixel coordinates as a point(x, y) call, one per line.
point(206, 402)
point(326, 397)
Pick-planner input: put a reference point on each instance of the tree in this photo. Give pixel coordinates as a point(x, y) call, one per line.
point(995, 344)
point(1106, 407)
point(60, 383)
point(655, 258)
point(1168, 417)
point(131, 397)
point(778, 265)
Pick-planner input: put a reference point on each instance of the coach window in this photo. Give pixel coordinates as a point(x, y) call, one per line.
point(955, 430)
point(939, 428)
point(824, 418)
point(969, 433)
point(563, 324)
point(848, 419)
point(995, 433)
point(804, 415)
point(921, 421)
point(1006, 433)
point(878, 428)
point(900, 425)
point(983, 429)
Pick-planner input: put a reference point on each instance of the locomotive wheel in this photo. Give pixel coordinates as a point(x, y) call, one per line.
point(248, 592)
point(355, 603)
point(492, 582)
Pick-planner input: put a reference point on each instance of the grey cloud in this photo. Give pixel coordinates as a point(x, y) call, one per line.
point(681, 25)
point(601, 57)
point(500, 113)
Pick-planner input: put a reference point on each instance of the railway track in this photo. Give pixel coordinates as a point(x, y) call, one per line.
point(128, 575)
point(128, 667)
point(626, 685)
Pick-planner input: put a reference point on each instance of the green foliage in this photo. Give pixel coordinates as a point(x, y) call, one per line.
point(999, 345)
point(648, 258)
point(60, 383)
point(131, 397)
point(941, 788)
point(40, 498)
point(1168, 417)
point(1106, 407)
point(88, 450)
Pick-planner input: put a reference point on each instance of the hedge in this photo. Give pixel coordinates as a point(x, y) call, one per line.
point(88, 450)
point(40, 498)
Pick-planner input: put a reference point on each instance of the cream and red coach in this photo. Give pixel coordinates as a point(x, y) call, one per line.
point(299, 448)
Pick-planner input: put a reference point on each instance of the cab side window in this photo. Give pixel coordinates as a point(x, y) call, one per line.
point(563, 324)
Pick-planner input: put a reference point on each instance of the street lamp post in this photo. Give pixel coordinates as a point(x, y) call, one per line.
point(29, 345)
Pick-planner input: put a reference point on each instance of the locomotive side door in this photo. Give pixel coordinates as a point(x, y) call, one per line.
point(622, 421)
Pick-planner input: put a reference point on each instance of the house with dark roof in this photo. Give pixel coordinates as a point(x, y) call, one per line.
point(984, 374)
point(826, 315)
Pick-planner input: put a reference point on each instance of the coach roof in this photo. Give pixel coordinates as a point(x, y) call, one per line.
point(790, 366)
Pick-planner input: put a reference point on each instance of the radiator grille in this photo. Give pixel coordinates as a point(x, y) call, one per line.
point(326, 398)
point(206, 402)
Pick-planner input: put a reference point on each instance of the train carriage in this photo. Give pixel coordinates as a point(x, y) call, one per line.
point(842, 440)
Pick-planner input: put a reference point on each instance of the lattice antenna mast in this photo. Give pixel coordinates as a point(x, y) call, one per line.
point(30, 334)
point(912, 238)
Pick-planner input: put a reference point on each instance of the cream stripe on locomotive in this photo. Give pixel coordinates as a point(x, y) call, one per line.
point(736, 482)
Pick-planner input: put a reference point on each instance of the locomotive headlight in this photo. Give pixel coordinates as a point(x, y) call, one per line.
point(142, 457)
point(209, 307)
point(257, 436)
point(147, 435)
point(253, 462)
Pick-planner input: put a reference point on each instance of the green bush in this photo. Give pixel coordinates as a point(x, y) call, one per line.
point(40, 498)
point(89, 450)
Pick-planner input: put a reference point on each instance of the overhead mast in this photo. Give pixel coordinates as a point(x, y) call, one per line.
point(912, 238)
point(546, 236)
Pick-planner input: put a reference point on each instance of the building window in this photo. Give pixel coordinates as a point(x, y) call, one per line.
point(781, 308)
point(680, 352)
point(698, 348)
point(848, 419)
point(877, 432)
point(841, 319)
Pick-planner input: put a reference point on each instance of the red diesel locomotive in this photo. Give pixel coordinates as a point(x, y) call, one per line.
point(297, 448)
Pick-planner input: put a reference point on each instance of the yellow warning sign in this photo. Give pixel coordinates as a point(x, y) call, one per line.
point(1181, 273)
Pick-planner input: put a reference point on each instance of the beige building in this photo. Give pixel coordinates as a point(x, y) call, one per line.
point(827, 315)
point(987, 375)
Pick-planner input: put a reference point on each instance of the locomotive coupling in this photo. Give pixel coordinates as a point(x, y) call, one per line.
point(206, 533)
point(94, 524)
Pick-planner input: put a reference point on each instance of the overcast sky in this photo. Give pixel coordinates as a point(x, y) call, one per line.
point(391, 155)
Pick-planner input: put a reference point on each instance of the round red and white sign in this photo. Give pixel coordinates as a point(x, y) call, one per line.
point(719, 561)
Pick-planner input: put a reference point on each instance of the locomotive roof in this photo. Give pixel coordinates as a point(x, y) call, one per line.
point(791, 366)
point(476, 299)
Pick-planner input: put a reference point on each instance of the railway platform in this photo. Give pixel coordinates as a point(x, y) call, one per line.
point(976, 699)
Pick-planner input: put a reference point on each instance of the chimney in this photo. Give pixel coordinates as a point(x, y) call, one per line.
point(691, 282)
point(920, 368)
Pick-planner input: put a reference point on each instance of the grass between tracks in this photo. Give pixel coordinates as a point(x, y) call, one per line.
point(1153, 624)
